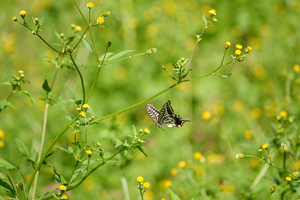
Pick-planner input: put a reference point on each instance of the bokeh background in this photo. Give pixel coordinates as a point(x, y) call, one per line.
point(228, 116)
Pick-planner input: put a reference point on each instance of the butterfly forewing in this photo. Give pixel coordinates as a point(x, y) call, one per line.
point(165, 115)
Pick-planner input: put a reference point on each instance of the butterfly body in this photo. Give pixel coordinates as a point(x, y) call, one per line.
point(165, 116)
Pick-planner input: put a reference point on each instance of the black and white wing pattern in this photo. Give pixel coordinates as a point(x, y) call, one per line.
point(165, 116)
point(152, 112)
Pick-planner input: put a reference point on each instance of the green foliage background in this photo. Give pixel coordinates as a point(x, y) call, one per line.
point(271, 28)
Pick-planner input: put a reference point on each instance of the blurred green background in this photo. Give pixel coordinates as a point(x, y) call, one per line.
point(241, 106)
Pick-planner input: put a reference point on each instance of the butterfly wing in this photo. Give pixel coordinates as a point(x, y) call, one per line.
point(152, 112)
point(165, 116)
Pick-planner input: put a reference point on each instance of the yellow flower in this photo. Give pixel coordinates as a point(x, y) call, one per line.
point(287, 178)
point(249, 49)
point(147, 185)
point(65, 197)
point(147, 130)
point(78, 28)
point(297, 68)
point(265, 146)
point(89, 153)
point(167, 183)
point(14, 18)
point(73, 25)
point(227, 45)
point(283, 113)
point(238, 46)
point(174, 171)
point(182, 164)
point(78, 108)
point(206, 115)
point(82, 114)
point(62, 188)
point(237, 52)
point(140, 179)
point(212, 12)
point(90, 5)
point(100, 20)
point(85, 106)
point(197, 155)
point(22, 13)
point(260, 150)
point(1, 134)
point(1, 144)
point(248, 133)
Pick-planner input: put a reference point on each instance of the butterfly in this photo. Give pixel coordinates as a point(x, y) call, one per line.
point(165, 116)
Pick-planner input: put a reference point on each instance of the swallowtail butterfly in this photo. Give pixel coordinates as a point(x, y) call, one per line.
point(165, 116)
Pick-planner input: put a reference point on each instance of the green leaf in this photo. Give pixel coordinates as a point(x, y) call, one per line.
point(118, 143)
point(118, 55)
point(173, 195)
point(32, 99)
point(88, 44)
point(42, 196)
point(25, 187)
point(7, 185)
point(65, 150)
point(226, 75)
point(4, 104)
point(22, 147)
point(204, 20)
point(6, 83)
point(107, 55)
point(46, 86)
point(141, 150)
point(58, 177)
point(2, 198)
point(75, 175)
point(134, 130)
point(7, 165)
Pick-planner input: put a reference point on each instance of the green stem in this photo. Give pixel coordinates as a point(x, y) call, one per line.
point(11, 93)
point(94, 169)
point(282, 190)
point(81, 79)
point(51, 46)
point(97, 75)
point(38, 166)
point(81, 37)
point(86, 23)
point(137, 104)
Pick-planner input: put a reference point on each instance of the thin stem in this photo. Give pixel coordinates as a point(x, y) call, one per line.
point(223, 56)
point(137, 104)
point(54, 77)
point(86, 23)
point(51, 46)
point(293, 162)
point(97, 75)
point(94, 169)
point(282, 190)
point(11, 93)
point(81, 79)
point(38, 166)
point(41, 148)
point(81, 37)
point(198, 40)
